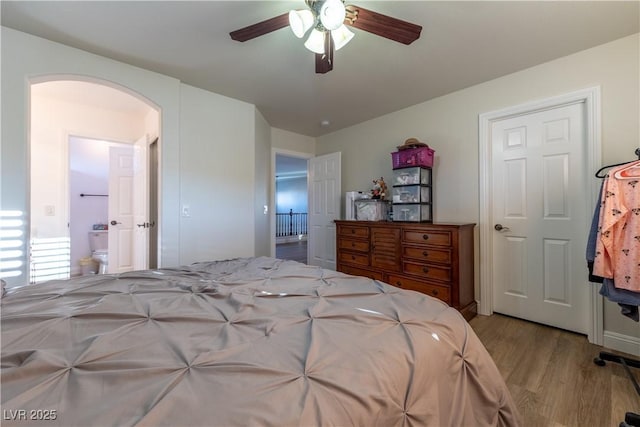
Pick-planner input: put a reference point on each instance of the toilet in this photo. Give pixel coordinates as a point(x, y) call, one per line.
point(99, 243)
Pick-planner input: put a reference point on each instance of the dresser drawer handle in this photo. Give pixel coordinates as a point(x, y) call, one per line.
point(425, 253)
point(425, 269)
point(425, 236)
point(434, 292)
point(399, 284)
point(353, 231)
point(353, 258)
point(353, 244)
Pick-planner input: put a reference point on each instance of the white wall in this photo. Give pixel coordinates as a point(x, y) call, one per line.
point(284, 140)
point(217, 176)
point(262, 168)
point(152, 125)
point(450, 125)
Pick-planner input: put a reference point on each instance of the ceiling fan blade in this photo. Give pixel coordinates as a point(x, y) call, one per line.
point(261, 28)
point(324, 61)
point(382, 25)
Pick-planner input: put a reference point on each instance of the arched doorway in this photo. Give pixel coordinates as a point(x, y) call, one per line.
point(73, 122)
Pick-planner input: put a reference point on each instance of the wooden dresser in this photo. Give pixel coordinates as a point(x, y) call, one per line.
point(435, 259)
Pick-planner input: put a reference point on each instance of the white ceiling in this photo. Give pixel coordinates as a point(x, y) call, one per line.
point(462, 43)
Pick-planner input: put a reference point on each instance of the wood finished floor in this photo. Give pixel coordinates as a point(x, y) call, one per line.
point(552, 377)
point(295, 251)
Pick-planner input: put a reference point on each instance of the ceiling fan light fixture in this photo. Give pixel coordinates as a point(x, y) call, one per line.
point(332, 14)
point(315, 41)
point(341, 36)
point(327, 20)
point(301, 21)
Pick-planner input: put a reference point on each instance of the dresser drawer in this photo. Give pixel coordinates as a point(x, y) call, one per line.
point(353, 231)
point(427, 237)
point(440, 292)
point(353, 245)
point(427, 254)
point(428, 271)
point(354, 271)
point(435, 259)
point(354, 258)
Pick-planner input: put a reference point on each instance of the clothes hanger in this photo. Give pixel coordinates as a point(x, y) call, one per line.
point(607, 167)
point(632, 170)
point(631, 164)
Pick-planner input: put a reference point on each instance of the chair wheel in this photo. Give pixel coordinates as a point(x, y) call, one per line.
point(632, 419)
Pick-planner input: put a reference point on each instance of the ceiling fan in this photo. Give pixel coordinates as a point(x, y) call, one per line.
point(328, 20)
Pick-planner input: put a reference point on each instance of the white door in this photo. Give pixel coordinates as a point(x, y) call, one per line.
point(541, 217)
point(324, 208)
point(140, 204)
point(121, 233)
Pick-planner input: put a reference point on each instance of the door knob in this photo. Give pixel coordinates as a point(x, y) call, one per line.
point(114, 222)
point(500, 227)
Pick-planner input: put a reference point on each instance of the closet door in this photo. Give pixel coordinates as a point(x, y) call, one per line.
point(541, 217)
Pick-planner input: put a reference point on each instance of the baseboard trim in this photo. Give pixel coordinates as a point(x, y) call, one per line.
point(624, 343)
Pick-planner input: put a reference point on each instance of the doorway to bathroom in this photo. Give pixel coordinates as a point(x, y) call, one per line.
point(93, 176)
point(74, 126)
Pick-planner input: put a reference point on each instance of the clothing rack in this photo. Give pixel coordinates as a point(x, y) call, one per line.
point(93, 195)
point(631, 418)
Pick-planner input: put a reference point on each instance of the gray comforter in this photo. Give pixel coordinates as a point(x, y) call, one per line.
point(245, 342)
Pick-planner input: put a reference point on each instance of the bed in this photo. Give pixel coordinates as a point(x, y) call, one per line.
point(242, 342)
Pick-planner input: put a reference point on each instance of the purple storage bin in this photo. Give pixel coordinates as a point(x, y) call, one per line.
point(420, 156)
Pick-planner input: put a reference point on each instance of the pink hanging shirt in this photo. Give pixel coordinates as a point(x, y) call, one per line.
point(618, 244)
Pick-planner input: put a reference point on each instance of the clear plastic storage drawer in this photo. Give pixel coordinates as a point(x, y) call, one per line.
point(412, 212)
point(409, 176)
point(411, 194)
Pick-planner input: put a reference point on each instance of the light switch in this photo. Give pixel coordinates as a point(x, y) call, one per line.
point(186, 211)
point(49, 210)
